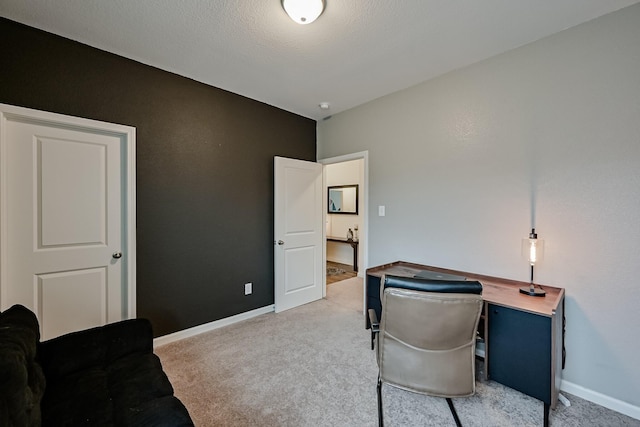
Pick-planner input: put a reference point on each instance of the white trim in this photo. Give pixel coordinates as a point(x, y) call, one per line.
point(216, 324)
point(128, 133)
point(131, 215)
point(325, 207)
point(4, 223)
point(601, 399)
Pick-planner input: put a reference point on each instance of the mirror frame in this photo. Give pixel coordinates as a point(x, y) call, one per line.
point(339, 187)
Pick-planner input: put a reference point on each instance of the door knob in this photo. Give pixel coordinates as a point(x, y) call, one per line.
point(280, 242)
point(117, 255)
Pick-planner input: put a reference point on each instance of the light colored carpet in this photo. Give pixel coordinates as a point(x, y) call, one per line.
point(312, 366)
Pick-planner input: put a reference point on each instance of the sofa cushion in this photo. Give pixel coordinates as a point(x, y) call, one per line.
point(78, 399)
point(145, 399)
point(22, 380)
point(93, 347)
point(108, 376)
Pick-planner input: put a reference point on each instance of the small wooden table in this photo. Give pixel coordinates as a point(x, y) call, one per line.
point(524, 335)
point(354, 245)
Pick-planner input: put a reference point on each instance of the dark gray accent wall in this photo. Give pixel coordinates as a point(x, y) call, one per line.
point(204, 169)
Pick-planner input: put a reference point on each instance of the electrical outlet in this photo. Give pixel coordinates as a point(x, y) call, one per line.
point(248, 288)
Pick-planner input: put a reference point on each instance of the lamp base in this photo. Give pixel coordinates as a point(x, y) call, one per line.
point(532, 291)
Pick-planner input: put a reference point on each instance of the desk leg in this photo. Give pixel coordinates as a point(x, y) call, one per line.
point(546, 415)
point(355, 258)
point(485, 318)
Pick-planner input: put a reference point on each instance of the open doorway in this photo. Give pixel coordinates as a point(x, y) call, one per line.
point(346, 233)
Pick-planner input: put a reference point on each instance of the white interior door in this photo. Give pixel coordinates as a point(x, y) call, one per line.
point(298, 239)
point(63, 217)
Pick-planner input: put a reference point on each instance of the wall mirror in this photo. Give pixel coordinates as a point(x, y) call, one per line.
point(343, 199)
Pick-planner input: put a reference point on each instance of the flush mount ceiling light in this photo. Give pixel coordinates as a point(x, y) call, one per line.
point(303, 11)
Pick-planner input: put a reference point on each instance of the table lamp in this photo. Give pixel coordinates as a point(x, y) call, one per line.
point(533, 249)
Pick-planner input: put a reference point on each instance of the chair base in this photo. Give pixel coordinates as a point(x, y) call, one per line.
point(380, 423)
point(449, 402)
point(453, 412)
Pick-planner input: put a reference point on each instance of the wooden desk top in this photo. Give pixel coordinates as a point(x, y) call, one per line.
point(341, 239)
point(504, 292)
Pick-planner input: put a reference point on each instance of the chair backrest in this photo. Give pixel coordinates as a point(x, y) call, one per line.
point(427, 335)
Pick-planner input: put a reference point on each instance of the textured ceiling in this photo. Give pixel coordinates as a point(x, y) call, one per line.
point(358, 50)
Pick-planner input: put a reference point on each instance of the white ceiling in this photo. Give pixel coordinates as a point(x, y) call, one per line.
point(358, 50)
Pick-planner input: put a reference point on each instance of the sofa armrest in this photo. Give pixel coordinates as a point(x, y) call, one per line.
point(98, 346)
point(22, 383)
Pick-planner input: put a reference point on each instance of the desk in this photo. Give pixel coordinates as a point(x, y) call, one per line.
point(354, 245)
point(524, 335)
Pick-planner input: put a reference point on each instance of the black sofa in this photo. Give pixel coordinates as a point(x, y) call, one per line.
point(104, 376)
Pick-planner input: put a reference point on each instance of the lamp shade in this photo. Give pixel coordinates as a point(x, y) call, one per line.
point(303, 11)
point(533, 248)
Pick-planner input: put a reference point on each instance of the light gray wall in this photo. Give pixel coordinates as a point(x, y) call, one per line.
point(545, 135)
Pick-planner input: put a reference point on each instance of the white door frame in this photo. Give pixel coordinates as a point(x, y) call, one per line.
point(128, 135)
point(365, 211)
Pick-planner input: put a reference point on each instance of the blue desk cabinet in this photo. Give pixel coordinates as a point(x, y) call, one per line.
point(524, 335)
point(520, 351)
point(525, 351)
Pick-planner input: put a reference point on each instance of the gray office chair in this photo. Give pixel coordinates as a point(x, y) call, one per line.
point(426, 337)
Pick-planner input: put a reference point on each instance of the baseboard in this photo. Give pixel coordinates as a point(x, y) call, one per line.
point(196, 330)
point(601, 399)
